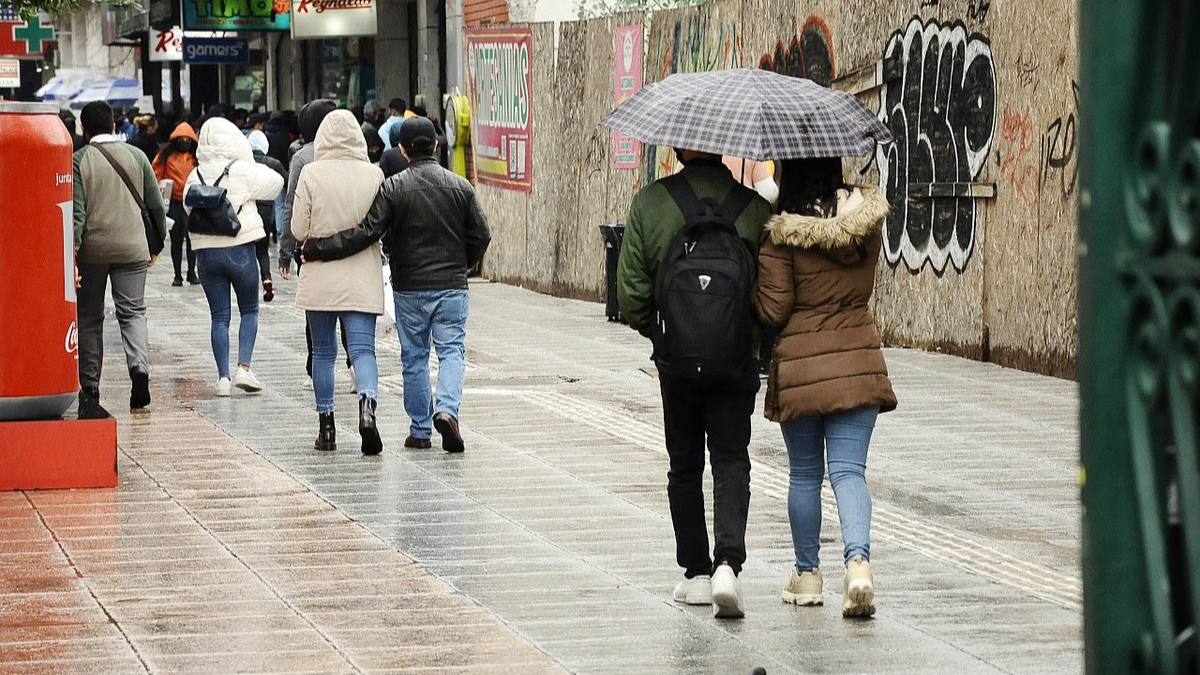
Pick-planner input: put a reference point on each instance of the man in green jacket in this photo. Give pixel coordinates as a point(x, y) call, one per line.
point(110, 243)
point(691, 409)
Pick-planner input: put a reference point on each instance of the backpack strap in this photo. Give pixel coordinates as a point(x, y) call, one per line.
point(684, 196)
point(738, 200)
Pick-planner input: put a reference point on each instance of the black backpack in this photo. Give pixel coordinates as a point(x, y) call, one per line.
point(705, 323)
point(211, 211)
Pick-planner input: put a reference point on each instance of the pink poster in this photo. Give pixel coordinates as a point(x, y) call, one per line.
point(627, 80)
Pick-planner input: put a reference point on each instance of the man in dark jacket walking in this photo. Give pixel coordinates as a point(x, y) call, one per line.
point(434, 230)
point(694, 409)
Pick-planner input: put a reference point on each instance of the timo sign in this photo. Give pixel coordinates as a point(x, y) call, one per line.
point(216, 50)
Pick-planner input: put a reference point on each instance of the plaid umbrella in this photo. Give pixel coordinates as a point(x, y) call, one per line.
point(751, 113)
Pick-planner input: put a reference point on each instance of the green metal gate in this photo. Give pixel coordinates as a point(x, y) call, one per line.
point(1139, 355)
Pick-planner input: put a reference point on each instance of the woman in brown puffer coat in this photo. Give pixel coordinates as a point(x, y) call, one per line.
point(828, 381)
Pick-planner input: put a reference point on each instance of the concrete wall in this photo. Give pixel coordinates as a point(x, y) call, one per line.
point(981, 97)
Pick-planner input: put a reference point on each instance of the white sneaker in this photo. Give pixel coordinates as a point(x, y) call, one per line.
point(804, 588)
point(223, 386)
point(858, 589)
point(353, 382)
point(308, 383)
point(245, 380)
point(694, 591)
point(727, 593)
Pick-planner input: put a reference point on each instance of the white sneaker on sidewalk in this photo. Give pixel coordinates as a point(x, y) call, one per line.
point(694, 591)
point(804, 588)
point(858, 591)
point(245, 380)
point(727, 593)
point(223, 386)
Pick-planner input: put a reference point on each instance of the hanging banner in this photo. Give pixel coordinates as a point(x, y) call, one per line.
point(10, 73)
point(333, 18)
point(500, 71)
point(627, 80)
point(166, 45)
point(236, 15)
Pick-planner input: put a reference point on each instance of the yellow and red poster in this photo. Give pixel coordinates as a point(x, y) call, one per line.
point(500, 70)
point(627, 81)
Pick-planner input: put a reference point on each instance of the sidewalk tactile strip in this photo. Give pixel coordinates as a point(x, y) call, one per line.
point(921, 536)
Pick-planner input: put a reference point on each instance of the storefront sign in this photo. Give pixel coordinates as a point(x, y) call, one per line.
point(166, 45)
point(332, 18)
point(627, 80)
point(216, 50)
point(500, 69)
point(22, 38)
point(10, 73)
point(236, 15)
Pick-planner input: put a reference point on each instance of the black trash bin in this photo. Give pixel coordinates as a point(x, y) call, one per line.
point(613, 232)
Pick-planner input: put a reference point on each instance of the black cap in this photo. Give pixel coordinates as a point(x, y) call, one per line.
point(417, 133)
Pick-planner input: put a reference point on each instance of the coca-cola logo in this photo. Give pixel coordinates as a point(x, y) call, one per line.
point(320, 6)
point(72, 342)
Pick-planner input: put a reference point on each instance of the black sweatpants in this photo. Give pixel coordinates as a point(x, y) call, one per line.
point(720, 412)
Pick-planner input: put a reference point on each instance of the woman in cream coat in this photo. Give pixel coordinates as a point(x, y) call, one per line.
point(334, 194)
point(230, 262)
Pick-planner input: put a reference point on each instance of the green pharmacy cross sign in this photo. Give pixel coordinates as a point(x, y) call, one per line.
point(33, 34)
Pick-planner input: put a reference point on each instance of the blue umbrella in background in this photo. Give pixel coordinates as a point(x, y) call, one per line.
point(118, 92)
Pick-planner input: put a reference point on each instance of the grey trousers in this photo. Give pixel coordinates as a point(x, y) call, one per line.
point(129, 296)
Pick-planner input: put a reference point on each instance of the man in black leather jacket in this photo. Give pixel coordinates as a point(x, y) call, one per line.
point(434, 230)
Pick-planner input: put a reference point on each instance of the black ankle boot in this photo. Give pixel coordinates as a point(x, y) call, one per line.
point(327, 435)
point(372, 444)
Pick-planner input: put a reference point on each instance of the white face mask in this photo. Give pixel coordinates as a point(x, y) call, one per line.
point(767, 189)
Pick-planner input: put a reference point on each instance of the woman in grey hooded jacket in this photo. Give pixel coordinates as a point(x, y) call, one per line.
point(334, 193)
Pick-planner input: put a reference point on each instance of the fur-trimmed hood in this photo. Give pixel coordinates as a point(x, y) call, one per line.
point(843, 230)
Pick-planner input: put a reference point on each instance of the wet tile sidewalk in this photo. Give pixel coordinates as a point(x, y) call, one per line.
point(232, 546)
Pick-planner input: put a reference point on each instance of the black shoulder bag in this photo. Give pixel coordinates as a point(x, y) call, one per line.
point(211, 211)
point(153, 239)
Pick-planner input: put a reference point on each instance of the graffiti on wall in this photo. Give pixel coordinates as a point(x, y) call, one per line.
point(694, 44)
point(809, 54)
point(941, 111)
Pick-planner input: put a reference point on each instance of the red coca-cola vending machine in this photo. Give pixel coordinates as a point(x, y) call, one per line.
point(39, 370)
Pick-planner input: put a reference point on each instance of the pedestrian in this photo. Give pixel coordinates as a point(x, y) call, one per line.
point(111, 244)
point(334, 194)
point(398, 112)
point(123, 128)
point(68, 120)
point(828, 381)
point(719, 405)
point(278, 137)
point(175, 162)
point(434, 231)
point(266, 210)
point(146, 137)
point(374, 145)
point(374, 115)
point(310, 118)
point(393, 160)
point(224, 156)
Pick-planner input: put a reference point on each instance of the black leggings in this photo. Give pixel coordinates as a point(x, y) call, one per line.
point(179, 236)
point(262, 250)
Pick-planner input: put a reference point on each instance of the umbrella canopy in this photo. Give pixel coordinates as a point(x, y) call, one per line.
point(117, 92)
point(751, 113)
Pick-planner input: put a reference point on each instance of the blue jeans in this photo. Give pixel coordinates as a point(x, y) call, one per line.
point(440, 316)
point(359, 330)
point(845, 436)
point(220, 269)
